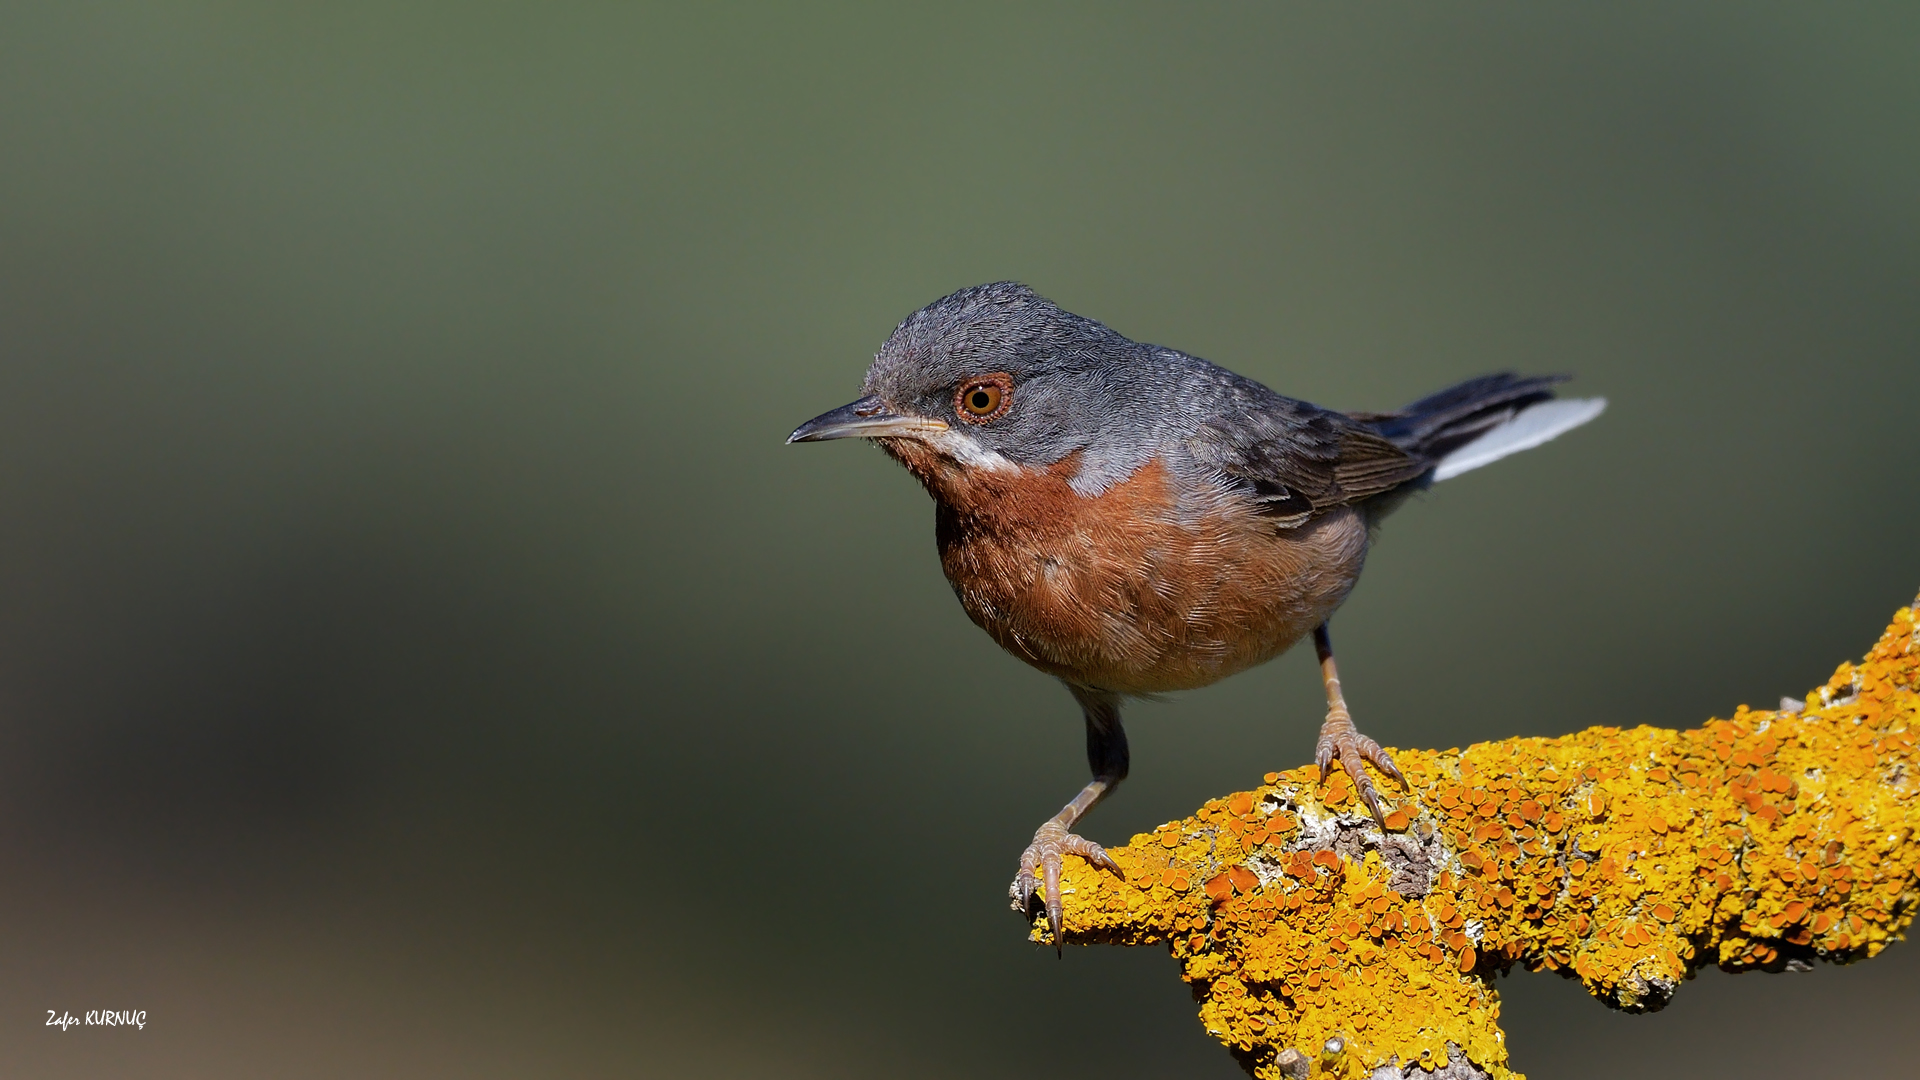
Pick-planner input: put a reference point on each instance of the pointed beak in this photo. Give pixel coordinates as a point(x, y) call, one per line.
point(864, 419)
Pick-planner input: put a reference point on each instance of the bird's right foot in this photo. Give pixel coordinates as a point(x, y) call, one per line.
point(1341, 741)
point(1040, 866)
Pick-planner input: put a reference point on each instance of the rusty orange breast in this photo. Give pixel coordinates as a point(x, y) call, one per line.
point(1121, 591)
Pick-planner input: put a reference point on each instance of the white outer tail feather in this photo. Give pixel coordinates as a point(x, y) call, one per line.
point(1528, 429)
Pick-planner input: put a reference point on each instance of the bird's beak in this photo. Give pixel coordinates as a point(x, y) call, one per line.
point(864, 419)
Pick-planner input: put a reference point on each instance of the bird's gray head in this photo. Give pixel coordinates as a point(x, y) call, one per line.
point(992, 376)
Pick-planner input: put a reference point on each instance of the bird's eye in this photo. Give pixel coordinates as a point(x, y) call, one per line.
point(985, 398)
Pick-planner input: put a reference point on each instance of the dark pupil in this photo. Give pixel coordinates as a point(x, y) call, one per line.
point(980, 401)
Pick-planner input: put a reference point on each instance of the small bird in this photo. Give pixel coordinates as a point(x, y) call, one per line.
point(1134, 520)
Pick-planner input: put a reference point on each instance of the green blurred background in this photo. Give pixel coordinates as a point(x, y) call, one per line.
point(420, 656)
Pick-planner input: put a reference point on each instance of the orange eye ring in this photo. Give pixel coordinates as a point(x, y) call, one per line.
point(985, 398)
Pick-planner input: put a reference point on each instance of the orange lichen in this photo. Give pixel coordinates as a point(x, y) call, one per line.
point(1623, 858)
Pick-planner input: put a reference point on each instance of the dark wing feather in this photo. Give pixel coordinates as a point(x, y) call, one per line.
point(1370, 464)
point(1294, 459)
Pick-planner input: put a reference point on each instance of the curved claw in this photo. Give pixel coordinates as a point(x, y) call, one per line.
point(1050, 845)
point(1353, 750)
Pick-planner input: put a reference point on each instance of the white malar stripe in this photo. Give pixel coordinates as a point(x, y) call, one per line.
point(1524, 432)
point(968, 450)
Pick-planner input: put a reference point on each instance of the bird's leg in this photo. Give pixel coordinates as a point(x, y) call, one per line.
point(1107, 757)
point(1340, 739)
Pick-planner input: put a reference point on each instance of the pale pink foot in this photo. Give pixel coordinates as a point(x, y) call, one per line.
point(1340, 739)
point(1050, 844)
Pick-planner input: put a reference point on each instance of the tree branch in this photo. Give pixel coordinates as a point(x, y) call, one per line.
point(1319, 945)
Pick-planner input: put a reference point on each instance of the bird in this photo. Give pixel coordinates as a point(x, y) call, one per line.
point(1134, 520)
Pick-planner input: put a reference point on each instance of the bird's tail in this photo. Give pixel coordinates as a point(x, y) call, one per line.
point(1483, 420)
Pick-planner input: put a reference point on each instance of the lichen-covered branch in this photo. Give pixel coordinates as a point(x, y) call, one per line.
point(1317, 944)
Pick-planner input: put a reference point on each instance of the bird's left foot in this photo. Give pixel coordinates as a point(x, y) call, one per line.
point(1340, 739)
point(1040, 864)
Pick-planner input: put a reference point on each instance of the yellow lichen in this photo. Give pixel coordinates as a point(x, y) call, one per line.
point(1623, 858)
